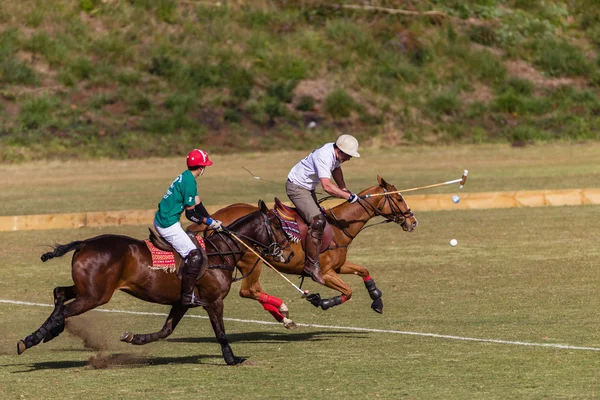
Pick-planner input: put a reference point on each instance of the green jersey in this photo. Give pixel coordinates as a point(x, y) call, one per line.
point(182, 193)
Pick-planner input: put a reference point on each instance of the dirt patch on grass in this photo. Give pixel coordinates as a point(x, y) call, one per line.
point(317, 89)
point(522, 69)
point(481, 93)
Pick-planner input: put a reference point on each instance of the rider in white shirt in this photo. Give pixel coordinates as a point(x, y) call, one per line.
point(319, 167)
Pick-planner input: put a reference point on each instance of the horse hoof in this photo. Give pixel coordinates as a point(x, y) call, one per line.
point(239, 360)
point(289, 324)
point(377, 306)
point(235, 360)
point(21, 347)
point(127, 337)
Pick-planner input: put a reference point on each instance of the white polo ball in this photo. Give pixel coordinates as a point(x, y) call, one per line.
point(455, 198)
point(453, 242)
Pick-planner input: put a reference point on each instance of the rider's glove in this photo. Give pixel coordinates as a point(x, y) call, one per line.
point(353, 198)
point(214, 224)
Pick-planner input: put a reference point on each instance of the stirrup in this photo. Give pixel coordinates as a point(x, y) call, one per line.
point(192, 301)
point(317, 278)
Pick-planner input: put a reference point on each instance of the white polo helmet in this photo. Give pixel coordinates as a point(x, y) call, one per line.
point(348, 144)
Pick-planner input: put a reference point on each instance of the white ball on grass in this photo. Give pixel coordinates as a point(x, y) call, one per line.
point(453, 242)
point(455, 198)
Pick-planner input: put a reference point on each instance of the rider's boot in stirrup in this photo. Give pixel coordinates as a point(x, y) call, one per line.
point(312, 267)
point(191, 270)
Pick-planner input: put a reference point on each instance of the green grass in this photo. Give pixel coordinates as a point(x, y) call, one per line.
point(521, 275)
point(244, 64)
point(137, 184)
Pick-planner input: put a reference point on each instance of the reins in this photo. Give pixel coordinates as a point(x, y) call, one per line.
point(397, 215)
point(274, 249)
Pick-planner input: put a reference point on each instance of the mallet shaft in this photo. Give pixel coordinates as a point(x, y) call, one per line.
point(461, 180)
point(304, 293)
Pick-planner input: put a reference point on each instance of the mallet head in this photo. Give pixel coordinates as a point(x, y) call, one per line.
point(464, 179)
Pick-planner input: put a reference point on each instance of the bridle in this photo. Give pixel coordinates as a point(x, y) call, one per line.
point(396, 215)
point(275, 248)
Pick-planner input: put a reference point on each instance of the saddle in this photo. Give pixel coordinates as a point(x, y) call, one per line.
point(160, 243)
point(291, 214)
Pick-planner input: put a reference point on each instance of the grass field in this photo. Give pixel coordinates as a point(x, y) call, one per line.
point(77, 186)
point(524, 278)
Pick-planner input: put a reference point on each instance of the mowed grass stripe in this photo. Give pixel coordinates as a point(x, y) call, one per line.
point(349, 328)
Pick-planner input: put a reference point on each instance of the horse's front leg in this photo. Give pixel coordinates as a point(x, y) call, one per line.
point(215, 313)
point(177, 312)
point(251, 289)
point(375, 294)
point(332, 280)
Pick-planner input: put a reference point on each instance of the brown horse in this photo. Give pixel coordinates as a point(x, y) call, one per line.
point(347, 220)
point(106, 263)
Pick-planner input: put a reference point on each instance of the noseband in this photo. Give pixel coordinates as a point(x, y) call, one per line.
point(397, 215)
point(275, 249)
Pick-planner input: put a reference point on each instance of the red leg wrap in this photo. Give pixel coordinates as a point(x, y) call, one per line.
point(272, 300)
point(367, 278)
point(274, 312)
point(343, 298)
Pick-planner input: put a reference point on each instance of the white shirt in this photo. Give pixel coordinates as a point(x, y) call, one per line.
point(314, 166)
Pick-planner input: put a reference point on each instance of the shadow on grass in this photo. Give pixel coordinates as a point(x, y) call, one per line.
point(121, 360)
point(274, 337)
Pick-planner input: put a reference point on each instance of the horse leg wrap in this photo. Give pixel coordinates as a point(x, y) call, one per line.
point(334, 301)
point(274, 312)
point(272, 300)
point(48, 331)
point(230, 359)
point(145, 338)
point(373, 291)
point(272, 305)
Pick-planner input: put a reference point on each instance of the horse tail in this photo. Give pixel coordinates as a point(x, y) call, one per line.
point(62, 249)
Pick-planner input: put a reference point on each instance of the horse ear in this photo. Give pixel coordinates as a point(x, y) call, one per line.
point(262, 206)
point(381, 181)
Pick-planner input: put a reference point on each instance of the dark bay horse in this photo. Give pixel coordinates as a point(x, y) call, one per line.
point(347, 221)
point(106, 263)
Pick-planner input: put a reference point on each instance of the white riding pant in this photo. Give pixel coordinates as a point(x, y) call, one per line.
point(177, 237)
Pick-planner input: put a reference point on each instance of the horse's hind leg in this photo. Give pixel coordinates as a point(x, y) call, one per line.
point(62, 294)
point(177, 312)
point(251, 289)
point(55, 324)
point(215, 313)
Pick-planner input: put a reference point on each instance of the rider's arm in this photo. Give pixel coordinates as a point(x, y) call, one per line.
point(338, 177)
point(197, 213)
point(333, 190)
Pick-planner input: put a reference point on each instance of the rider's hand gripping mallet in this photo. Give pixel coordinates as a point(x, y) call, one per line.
point(304, 292)
point(462, 181)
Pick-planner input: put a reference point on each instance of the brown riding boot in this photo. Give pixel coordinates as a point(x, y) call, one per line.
point(193, 265)
point(312, 267)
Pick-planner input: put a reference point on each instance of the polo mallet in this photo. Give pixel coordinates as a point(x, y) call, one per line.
point(304, 292)
point(461, 182)
point(258, 178)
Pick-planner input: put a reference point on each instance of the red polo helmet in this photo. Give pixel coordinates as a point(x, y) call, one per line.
point(198, 158)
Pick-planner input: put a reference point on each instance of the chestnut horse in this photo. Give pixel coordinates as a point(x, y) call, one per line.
point(347, 220)
point(106, 263)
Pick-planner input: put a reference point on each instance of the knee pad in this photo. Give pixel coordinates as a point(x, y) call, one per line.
point(318, 223)
point(195, 257)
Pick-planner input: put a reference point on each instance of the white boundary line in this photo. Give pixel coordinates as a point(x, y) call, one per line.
point(348, 328)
